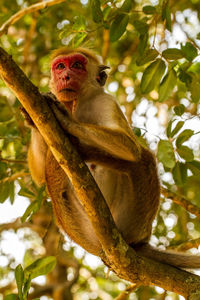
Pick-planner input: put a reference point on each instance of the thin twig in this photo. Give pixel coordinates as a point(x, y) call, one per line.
point(16, 161)
point(186, 246)
point(30, 36)
point(18, 225)
point(15, 176)
point(35, 7)
point(180, 200)
point(125, 294)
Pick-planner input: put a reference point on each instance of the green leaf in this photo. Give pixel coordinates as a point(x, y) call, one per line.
point(11, 297)
point(79, 23)
point(194, 68)
point(148, 56)
point(27, 285)
point(185, 77)
point(179, 110)
point(166, 14)
point(167, 85)
point(79, 38)
point(141, 26)
point(166, 153)
point(118, 27)
point(4, 191)
point(64, 33)
point(152, 76)
point(19, 277)
point(40, 267)
point(26, 193)
point(178, 126)
point(168, 18)
point(97, 14)
point(194, 167)
point(169, 129)
point(172, 54)
point(143, 43)
point(179, 173)
point(5, 111)
point(106, 12)
point(3, 170)
point(12, 192)
point(149, 9)
point(137, 131)
point(183, 137)
point(194, 87)
point(127, 6)
point(190, 52)
point(185, 153)
point(31, 209)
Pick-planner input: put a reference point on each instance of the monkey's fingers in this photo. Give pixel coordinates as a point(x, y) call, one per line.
point(52, 102)
point(61, 107)
point(28, 120)
point(60, 116)
point(50, 97)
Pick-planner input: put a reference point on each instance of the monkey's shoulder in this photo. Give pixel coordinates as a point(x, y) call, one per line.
point(102, 110)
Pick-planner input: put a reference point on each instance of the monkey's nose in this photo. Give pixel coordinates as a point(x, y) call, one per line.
point(67, 77)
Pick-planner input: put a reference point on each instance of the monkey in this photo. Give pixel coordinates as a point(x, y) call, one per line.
point(124, 170)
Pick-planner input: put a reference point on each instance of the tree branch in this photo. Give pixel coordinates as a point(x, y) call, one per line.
point(180, 200)
point(125, 294)
point(15, 176)
point(116, 253)
point(17, 224)
point(35, 7)
point(186, 245)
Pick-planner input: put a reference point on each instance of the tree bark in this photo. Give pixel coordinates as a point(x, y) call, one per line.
point(116, 253)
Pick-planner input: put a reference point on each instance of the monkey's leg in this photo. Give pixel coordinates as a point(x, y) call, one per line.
point(69, 212)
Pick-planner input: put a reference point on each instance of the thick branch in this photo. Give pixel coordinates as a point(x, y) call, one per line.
point(121, 258)
point(35, 7)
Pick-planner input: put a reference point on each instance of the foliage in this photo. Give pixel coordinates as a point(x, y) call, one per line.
point(23, 278)
point(152, 48)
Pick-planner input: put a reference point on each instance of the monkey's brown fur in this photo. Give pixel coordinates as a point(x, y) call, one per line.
point(124, 170)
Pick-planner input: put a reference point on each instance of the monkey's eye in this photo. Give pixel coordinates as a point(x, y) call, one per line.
point(78, 65)
point(60, 66)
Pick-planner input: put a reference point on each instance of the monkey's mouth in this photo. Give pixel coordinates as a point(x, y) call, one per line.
point(67, 90)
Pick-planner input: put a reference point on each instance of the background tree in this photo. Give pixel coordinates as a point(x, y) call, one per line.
point(152, 48)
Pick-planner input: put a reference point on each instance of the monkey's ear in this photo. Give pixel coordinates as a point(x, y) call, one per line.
point(102, 76)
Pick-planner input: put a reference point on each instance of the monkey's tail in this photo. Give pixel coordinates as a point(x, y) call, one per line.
point(173, 258)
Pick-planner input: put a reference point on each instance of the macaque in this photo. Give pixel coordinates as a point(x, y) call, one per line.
point(124, 170)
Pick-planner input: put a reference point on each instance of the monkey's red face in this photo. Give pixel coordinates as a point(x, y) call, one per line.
point(69, 74)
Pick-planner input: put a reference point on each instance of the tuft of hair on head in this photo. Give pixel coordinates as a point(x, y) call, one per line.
point(68, 50)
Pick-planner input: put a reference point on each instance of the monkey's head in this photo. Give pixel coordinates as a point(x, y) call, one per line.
point(74, 72)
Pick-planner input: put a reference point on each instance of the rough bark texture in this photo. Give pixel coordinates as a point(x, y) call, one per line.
point(116, 253)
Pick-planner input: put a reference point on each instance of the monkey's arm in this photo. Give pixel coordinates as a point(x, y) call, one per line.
point(37, 151)
point(116, 141)
point(37, 156)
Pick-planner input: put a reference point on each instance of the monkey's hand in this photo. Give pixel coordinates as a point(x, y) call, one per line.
point(28, 120)
point(59, 110)
point(61, 115)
